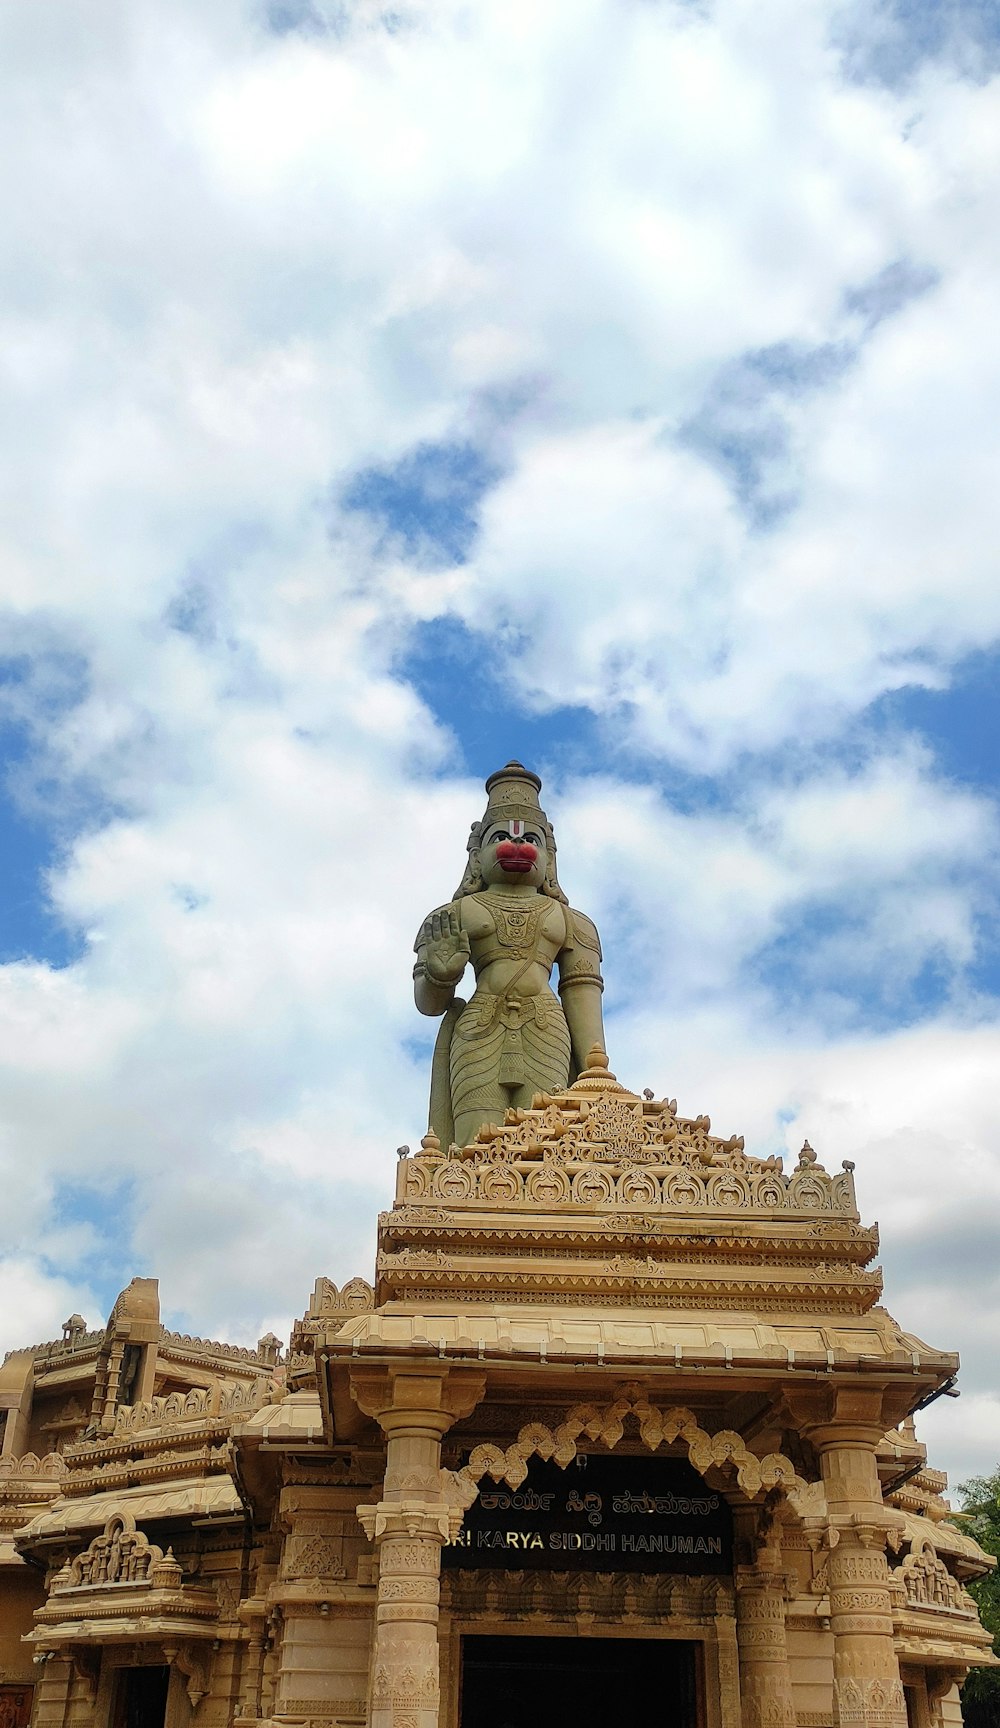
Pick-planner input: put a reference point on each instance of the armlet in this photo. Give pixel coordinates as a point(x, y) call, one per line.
point(583, 932)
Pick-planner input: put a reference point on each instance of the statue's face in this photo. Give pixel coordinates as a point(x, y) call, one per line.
point(514, 854)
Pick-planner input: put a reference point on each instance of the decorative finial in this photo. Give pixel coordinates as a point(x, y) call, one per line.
point(807, 1156)
point(598, 1077)
point(430, 1145)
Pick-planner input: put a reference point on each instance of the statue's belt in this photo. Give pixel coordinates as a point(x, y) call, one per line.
point(509, 1014)
point(512, 1011)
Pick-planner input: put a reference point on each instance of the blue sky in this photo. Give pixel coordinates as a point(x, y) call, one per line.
point(612, 386)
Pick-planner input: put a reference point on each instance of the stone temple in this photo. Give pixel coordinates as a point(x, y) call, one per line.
point(620, 1429)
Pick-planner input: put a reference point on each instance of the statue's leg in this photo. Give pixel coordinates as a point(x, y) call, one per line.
point(440, 1114)
point(476, 1093)
point(546, 1045)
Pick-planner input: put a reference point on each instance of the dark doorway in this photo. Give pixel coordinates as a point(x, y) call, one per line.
point(535, 1682)
point(141, 1698)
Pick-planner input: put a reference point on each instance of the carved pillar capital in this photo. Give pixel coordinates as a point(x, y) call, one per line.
point(845, 1415)
point(409, 1521)
point(420, 1399)
point(769, 1578)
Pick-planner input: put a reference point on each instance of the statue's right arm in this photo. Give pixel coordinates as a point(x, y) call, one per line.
point(443, 951)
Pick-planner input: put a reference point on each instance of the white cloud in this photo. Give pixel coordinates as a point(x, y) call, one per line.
point(34, 1302)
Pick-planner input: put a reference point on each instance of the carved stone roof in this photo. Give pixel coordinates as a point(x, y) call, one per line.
point(657, 1339)
point(598, 1196)
point(216, 1497)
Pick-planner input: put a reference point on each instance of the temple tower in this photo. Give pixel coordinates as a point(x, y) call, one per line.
point(620, 1430)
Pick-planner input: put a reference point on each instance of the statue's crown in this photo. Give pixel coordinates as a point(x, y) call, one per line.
point(512, 791)
point(512, 795)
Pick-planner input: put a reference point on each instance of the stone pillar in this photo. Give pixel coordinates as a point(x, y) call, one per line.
point(867, 1691)
point(727, 1656)
point(765, 1678)
point(915, 1684)
point(943, 1691)
point(54, 1690)
point(326, 1623)
point(409, 1527)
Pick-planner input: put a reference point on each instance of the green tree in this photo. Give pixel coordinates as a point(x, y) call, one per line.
point(981, 1508)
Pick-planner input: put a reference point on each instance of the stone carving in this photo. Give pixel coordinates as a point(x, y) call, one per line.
point(595, 1144)
point(327, 1306)
point(866, 1568)
point(197, 1405)
point(409, 1684)
point(192, 1664)
point(869, 1701)
point(190, 1345)
point(326, 1709)
point(511, 920)
point(406, 1589)
point(52, 1465)
point(927, 1583)
point(316, 1557)
point(408, 1556)
point(227, 1592)
point(357, 1297)
point(120, 1555)
point(567, 1597)
point(72, 1340)
point(656, 1427)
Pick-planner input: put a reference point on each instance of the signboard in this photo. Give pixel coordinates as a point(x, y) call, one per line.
point(601, 1514)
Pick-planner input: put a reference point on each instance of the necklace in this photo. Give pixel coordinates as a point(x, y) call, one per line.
point(516, 926)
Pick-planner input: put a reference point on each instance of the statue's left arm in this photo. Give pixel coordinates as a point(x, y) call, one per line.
point(581, 986)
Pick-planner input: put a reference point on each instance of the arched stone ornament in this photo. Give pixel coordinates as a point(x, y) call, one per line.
point(756, 1477)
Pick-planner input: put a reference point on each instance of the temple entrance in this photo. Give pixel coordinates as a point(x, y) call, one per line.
point(141, 1698)
point(534, 1682)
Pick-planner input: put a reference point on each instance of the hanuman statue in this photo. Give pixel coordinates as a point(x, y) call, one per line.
point(512, 920)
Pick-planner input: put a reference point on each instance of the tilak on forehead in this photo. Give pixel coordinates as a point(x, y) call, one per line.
point(512, 803)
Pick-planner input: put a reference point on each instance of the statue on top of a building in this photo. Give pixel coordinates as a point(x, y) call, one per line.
point(511, 919)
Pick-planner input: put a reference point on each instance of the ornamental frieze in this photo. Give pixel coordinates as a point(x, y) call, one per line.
point(566, 1175)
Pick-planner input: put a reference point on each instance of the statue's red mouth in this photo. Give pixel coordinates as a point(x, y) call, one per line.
point(516, 856)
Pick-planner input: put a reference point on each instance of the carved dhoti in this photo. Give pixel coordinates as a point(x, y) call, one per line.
point(502, 1043)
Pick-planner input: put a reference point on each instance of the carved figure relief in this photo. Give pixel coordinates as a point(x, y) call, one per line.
point(120, 1555)
point(927, 1583)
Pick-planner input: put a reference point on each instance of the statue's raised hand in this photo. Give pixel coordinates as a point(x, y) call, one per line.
point(445, 947)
